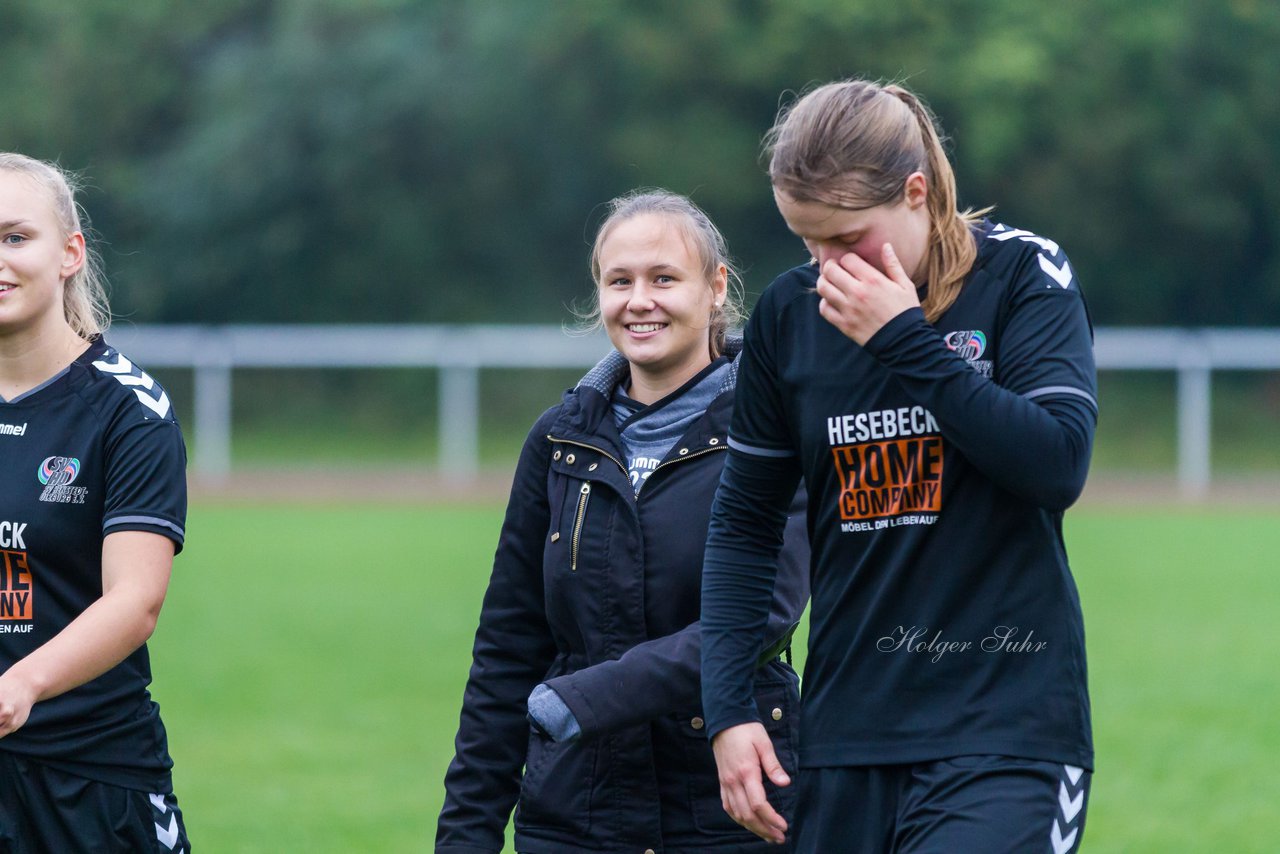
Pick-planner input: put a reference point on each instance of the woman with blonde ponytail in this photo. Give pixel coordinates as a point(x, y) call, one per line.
point(92, 509)
point(929, 374)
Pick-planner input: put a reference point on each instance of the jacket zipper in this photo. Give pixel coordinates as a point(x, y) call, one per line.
point(687, 457)
point(623, 468)
point(584, 495)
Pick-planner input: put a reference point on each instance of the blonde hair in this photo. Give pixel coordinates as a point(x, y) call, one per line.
point(702, 236)
point(84, 296)
point(852, 144)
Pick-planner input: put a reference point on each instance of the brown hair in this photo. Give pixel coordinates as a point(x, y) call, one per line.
point(702, 236)
point(852, 144)
point(84, 298)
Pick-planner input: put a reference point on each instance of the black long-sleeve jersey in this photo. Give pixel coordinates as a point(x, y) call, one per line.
point(938, 459)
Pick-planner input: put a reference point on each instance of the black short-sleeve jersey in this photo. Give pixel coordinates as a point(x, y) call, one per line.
point(938, 460)
point(92, 451)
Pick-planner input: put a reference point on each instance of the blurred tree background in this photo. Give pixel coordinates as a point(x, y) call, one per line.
point(444, 161)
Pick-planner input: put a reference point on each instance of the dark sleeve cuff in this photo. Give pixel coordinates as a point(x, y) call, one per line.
point(887, 334)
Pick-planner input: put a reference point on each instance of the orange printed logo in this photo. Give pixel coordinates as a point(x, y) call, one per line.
point(15, 586)
point(883, 479)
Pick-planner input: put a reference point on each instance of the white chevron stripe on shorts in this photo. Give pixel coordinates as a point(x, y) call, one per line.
point(1065, 832)
point(166, 832)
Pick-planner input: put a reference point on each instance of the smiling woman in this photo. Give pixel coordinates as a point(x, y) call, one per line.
point(93, 494)
point(582, 708)
point(656, 305)
point(666, 289)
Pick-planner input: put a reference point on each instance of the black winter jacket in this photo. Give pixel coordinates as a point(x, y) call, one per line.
point(596, 592)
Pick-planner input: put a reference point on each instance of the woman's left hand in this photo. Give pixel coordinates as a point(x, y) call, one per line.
point(858, 299)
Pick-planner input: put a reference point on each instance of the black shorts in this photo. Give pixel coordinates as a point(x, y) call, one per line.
point(45, 810)
point(987, 804)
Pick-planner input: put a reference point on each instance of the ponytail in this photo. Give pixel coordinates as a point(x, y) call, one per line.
point(952, 248)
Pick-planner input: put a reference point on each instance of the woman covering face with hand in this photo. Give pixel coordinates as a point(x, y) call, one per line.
point(582, 709)
point(92, 510)
point(929, 375)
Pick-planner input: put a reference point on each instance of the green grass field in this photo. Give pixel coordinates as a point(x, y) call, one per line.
point(310, 661)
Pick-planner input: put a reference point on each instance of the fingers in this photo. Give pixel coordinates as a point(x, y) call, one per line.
point(747, 804)
point(742, 753)
point(773, 768)
point(836, 301)
point(840, 290)
point(859, 299)
point(849, 282)
point(862, 270)
point(893, 267)
point(843, 300)
point(858, 267)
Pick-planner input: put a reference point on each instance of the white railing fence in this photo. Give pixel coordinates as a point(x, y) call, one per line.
point(460, 352)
